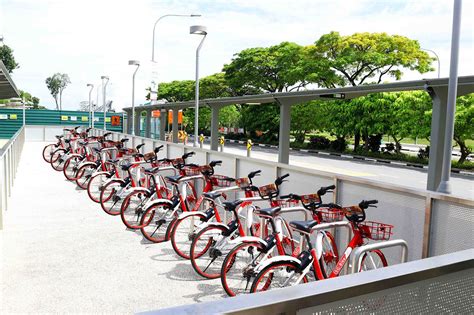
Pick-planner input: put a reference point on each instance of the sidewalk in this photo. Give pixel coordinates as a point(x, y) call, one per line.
point(62, 254)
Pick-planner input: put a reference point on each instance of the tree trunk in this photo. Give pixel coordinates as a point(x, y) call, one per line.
point(398, 146)
point(61, 100)
point(365, 137)
point(465, 151)
point(356, 140)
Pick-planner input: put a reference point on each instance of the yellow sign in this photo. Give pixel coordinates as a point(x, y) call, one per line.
point(201, 138)
point(107, 119)
point(85, 118)
point(249, 144)
point(13, 116)
point(63, 117)
point(221, 140)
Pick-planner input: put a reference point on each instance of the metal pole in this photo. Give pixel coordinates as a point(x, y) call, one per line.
point(104, 99)
point(445, 185)
point(133, 100)
point(437, 58)
point(96, 104)
point(196, 106)
point(91, 115)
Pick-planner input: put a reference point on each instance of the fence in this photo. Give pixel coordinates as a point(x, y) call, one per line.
point(9, 159)
point(431, 223)
point(11, 120)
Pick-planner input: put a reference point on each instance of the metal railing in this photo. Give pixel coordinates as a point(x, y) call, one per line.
point(434, 285)
point(424, 219)
point(9, 158)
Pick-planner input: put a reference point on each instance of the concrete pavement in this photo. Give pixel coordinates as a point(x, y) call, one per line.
point(60, 253)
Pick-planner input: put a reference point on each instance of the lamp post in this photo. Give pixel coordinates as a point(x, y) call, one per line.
point(153, 40)
point(90, 105)
point(197, 30)
point(104, 94)
point(96, 103)
point(437, 58)
point(133, 63)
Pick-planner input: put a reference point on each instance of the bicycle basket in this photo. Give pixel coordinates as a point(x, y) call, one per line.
point(243, 182)
point(149, 157)
point(376, 230)
point(310, 198)
point(269, 190)
point(191, 170)
point(221, 181)
point(330, 214)
point(285, 203)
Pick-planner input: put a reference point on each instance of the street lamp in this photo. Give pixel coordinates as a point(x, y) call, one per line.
point(91, 123)
point(437, 58)
point(197, 30)
point(104, 94)
point(153, 41)
point(133, 63)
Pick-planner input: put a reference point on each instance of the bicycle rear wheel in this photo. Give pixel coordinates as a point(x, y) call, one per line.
point(277, 275)
point(238, 268)
point(157, 222)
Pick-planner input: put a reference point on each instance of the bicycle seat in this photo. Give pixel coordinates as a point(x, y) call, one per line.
point(304, 226)
point(267, 212)
point(212, 195)
point(96, 150)
point(231, 205)
point(59, 137)
point(113, 161)
point(126, 167)
point(174, 179)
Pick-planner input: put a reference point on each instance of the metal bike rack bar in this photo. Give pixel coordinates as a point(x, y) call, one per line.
point(359, 251)
point(296, 209)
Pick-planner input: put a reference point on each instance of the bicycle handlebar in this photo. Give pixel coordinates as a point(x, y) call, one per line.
point(157, 149)
point(186, 155)
point(280, 179)
point(253, 174)
point(323, 190)
point(214, 163)
point(364, 204)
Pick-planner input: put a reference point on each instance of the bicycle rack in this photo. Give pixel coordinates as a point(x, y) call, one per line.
point(346, 224)
point(359, 251)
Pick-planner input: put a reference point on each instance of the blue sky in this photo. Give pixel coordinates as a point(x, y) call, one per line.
point(87, 38)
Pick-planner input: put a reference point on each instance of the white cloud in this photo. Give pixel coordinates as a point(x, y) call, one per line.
point(87, 39)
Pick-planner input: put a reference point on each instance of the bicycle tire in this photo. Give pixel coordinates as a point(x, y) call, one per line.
point(203, 253)
point(57, 159)
point(373, 259)
point(330, 254)
point(95, 186)
point(71, 166)
point(84, 174)
point(183, 234)
point(240, 280)
point(110, 197)
point(132, 210)
point(48, 152)
point(268, 275)
point(156, 223)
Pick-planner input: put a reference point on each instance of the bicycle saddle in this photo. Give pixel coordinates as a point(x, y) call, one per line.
point(212, 195)
point(231, 205)
point(126, 167)
point(59, 137)
point(174, 179)
point(151, 170)
point(267, 212)
point(113, 161)
point(304, 226)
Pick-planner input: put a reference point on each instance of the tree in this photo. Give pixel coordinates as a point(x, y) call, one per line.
point(30, 100)
point(463, 124)
point(367, 58)
point(6, 56)
point(304, 118)
point(56, 85)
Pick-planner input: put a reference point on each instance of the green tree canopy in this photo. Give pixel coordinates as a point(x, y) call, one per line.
point(56, 85)
point(369, 57)
point(6, 56)
point(464, 124)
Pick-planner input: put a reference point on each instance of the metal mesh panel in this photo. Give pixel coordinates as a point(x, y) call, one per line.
point(451, 293)
point(452, 227)
point(405, 211)
point(228, 164)
point(175, 151)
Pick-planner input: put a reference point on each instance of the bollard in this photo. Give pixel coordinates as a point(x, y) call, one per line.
point(201, 140)
point(221, 143)
point(249, 147)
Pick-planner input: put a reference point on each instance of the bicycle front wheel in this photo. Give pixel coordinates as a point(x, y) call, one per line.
point(371, 260)
point(71, 167)
point(238, 268)
point(48, 152)
point(84, 174)
point(330, 255)
point(96, 185)
point(157, 222)
point(208, 251)
point(112, 196)
point(279, 274)
point(58, 159)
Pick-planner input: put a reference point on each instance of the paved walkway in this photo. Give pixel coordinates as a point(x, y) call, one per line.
point(60, 253)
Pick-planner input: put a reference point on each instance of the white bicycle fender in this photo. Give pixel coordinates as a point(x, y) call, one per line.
point(191, 213)
point(157, 201)
point(113, 178)
point(319, 245)
point(284, 258)
point(216, 224)
point(132, 189)
point(248, 239)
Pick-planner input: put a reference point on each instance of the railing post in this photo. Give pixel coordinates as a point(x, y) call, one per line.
point(427, 227)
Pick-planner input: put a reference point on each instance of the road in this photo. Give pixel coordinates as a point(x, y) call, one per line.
point(463, 186)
